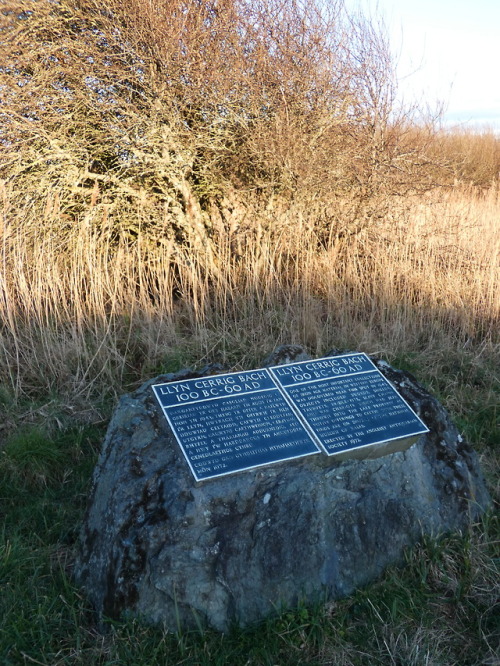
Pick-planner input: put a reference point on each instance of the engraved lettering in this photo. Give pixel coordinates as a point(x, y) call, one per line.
point(236, 421)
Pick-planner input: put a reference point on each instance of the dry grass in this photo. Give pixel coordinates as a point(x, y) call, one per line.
point(146, 226)
point(84, 311)
point(190, 180)
point(471, 156)
point(186, 180)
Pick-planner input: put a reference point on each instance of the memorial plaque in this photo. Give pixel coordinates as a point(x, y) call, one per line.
point(232, 422)
point(342, 406)
point(348, 403)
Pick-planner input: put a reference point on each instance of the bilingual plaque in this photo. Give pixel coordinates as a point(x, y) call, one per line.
point(341, 406)
point(233, 422)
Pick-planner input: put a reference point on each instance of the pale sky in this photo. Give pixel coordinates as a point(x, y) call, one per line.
point(449, 51)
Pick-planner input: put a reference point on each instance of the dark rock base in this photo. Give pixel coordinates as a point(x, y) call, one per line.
point(236, 549)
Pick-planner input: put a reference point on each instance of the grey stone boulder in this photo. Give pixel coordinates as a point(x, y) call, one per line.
point(235, 549)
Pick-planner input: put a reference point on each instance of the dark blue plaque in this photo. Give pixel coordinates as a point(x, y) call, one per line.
point(347, 402)
point(241, 420)
point(233, 422)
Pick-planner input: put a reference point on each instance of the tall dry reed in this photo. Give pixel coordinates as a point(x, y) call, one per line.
point(87, 312)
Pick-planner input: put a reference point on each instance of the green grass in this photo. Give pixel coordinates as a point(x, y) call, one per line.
point(441, 607)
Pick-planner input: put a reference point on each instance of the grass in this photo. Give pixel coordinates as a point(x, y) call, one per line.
point(91, 317)
point(209, 209)
point(441, 607)
point(84, 320)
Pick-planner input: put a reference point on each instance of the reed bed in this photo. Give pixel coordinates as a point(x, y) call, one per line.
point(88, 312)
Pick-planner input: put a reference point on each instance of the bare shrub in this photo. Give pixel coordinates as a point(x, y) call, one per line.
point(191, 106)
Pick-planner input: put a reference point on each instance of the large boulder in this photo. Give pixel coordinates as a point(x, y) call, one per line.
point(235, 549)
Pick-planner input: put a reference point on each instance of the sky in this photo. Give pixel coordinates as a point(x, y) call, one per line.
point(448, 52)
